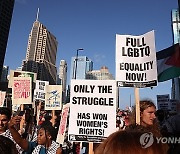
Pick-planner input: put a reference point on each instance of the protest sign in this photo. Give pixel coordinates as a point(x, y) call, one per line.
point(63, 123)
point(92, 110)
point(16, 73)
point(39, 92)
point(163, 102)
point(53, 97)
point(15, 107)
point(136, 61)
point(2, 98)
point(22, 90)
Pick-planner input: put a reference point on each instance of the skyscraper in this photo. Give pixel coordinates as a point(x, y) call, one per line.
point(83, 66)
point(6, 10)
point(4, 74)
point(102, 74)
point(62, 77)
point(176, 39)
point(41, 53)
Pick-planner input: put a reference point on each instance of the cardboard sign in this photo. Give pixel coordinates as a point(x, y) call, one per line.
point(136, 61)
point(53, 97)
point(39, 92)
point(22, 90)
point(63, 123)
point(92, 110)
point(14, 73)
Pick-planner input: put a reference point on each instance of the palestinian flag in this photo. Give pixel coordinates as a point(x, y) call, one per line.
point(168, 63)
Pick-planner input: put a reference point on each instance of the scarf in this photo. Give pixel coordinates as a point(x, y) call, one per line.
point(51, 150)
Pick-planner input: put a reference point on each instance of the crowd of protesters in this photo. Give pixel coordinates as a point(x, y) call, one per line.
point(21, 133)
point(159, 123)
point(122, 118)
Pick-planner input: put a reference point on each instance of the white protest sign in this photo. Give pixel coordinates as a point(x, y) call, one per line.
point(15, 107)
point(39, 92)
point(63, 123)
point(53, 97)
point(92, 110)
point(15, 73)
point(136, 60)
point(22, 90)
point(2, 98)
point(163, 102)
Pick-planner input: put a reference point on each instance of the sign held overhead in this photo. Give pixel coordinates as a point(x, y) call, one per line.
point(136, 61)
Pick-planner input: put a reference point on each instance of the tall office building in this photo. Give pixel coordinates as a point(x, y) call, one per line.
point(62, 77)
point(41, 53)
point(68, 94)
point(4, 73)
point(102, 74)
point(83, 66)
point(176, 39)
point(6, 10)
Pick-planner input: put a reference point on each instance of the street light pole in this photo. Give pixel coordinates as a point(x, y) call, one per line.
point(75, 70)
point(179, 7)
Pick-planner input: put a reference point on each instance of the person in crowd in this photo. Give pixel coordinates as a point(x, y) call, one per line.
point(41, 117)
point(162, 117)
point(148, 119)
point(5, 116)
point(172, 126)
point(122, 119)
point(45, 143)
point(120, 123)
point(29, 129)
point(67, 145)
point(127, 142)
point(7, 146)
point(55, 121)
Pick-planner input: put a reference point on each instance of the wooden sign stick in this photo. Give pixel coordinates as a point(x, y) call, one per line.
point(53, 117)
point(136, 91)
point(91, 148)
point(38, 112)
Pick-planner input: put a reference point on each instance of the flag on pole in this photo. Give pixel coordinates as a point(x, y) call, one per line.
point(168, 63)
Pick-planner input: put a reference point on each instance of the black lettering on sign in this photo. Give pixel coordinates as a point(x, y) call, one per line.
point(41, 85)
point(84, 123)
point(105, 89)
point(136, 52)
point(84, 88)
point(93, 101)
point(105, 125)
point(91, 131)
point(136, 76)
point(41, 95)
point(136, 66)
point(83, 115)
point(136, 47)
point(99, 116)
point(135, 42)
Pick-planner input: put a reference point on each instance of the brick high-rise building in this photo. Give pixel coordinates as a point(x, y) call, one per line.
point(62, 78)
point(102, 74)
point(41, 53)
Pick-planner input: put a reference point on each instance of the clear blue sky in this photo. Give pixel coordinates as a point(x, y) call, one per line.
point(92, 25)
